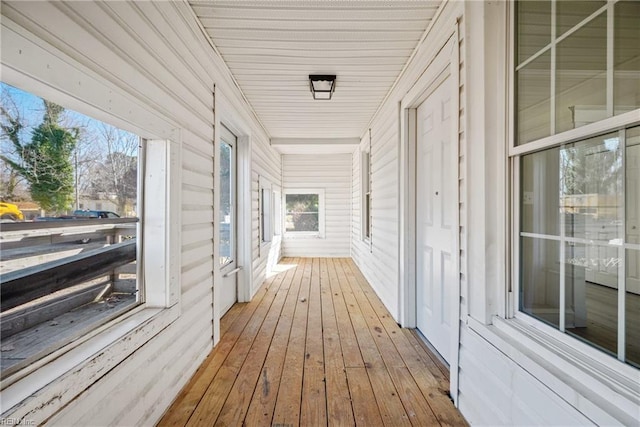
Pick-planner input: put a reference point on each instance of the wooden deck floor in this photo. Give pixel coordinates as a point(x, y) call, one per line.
point(315, 347)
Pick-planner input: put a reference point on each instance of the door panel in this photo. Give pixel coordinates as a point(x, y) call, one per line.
point(228, 220)
point(436, 207)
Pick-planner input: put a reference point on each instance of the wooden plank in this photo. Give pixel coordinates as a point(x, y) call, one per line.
point(431, 381)
point(25, 347)
point(365, 409)
point(367, 346)
point(287, 410)
point(380, 335)
point(414, 357)
point(339, 411)
point(417, 408)
point(350, 350)
point(216, 394)
point(21, 286)
point(294, 370)
point(185, 403)
point(314, 404)
point(388, 402)
point(262, 406)
point(237, 402)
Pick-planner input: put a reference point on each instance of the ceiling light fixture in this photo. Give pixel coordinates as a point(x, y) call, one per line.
point(322, 86)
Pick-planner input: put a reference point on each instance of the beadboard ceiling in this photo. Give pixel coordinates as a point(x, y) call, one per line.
point(271, 47)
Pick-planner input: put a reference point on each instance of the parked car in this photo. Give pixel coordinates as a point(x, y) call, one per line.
point(9, 211)
point(94, 214)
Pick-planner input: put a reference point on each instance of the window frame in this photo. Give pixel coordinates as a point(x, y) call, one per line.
point(321, 213)
point(266, 212)
point(617, 123)
point(75, 366)
point(365, 195)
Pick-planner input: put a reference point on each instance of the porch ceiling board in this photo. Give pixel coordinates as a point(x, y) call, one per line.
point(272, 47)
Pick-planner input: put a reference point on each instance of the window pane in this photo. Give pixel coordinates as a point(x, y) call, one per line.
point(539, 208)
point(591, 294)
point(571, 13)
point(627, 57)
point(63, 274)
point(632, 263)
point(533, 100)
point(534, 27)
point(540, 279)
point(226, 203)
point(302, 212)
point(632, 302)
point(581, 82)
point(591, 188)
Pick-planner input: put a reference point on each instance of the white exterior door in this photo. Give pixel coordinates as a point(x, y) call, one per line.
point(436, 210)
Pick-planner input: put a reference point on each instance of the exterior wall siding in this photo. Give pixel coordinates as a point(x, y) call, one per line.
point(146, 67)
point(331, 173)
point(379, 259)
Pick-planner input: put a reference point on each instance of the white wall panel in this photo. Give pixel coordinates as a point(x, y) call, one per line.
point(331, 173)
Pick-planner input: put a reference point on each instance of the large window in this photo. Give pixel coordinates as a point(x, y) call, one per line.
point(578, 63)
point(304, 212)
point(70, 242)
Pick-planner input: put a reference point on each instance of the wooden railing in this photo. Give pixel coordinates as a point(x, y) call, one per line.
point(55, 286)
point(21, 286)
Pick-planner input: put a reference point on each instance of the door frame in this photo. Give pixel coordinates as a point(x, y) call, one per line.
point(444, 65)
point(227, 116)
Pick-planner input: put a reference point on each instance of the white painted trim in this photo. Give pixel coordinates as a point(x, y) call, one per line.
point(161, 236)
point(71, 373)
point(227, 115)
point(320, 234)
point(598, 386)
point(454, 369)
point(352, 142)
point(628, 119)
point(244, 206)
point(437, 71)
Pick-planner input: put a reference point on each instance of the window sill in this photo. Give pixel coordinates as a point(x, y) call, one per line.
point(603, 389)
point(38, 391)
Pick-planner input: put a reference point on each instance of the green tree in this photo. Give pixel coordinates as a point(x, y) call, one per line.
point(45, 162)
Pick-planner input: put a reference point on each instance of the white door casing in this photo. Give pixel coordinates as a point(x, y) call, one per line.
point(436, 210)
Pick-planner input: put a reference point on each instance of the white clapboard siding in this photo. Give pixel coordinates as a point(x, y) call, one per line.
point(379, 261)
point(331, 173)
point(266, 170)
point(146, 67)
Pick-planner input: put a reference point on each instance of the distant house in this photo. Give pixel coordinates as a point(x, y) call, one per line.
point(30, 210)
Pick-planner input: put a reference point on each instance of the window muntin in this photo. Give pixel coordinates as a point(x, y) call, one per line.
point(578, 256)
point(74, 272)
point(587, 71)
